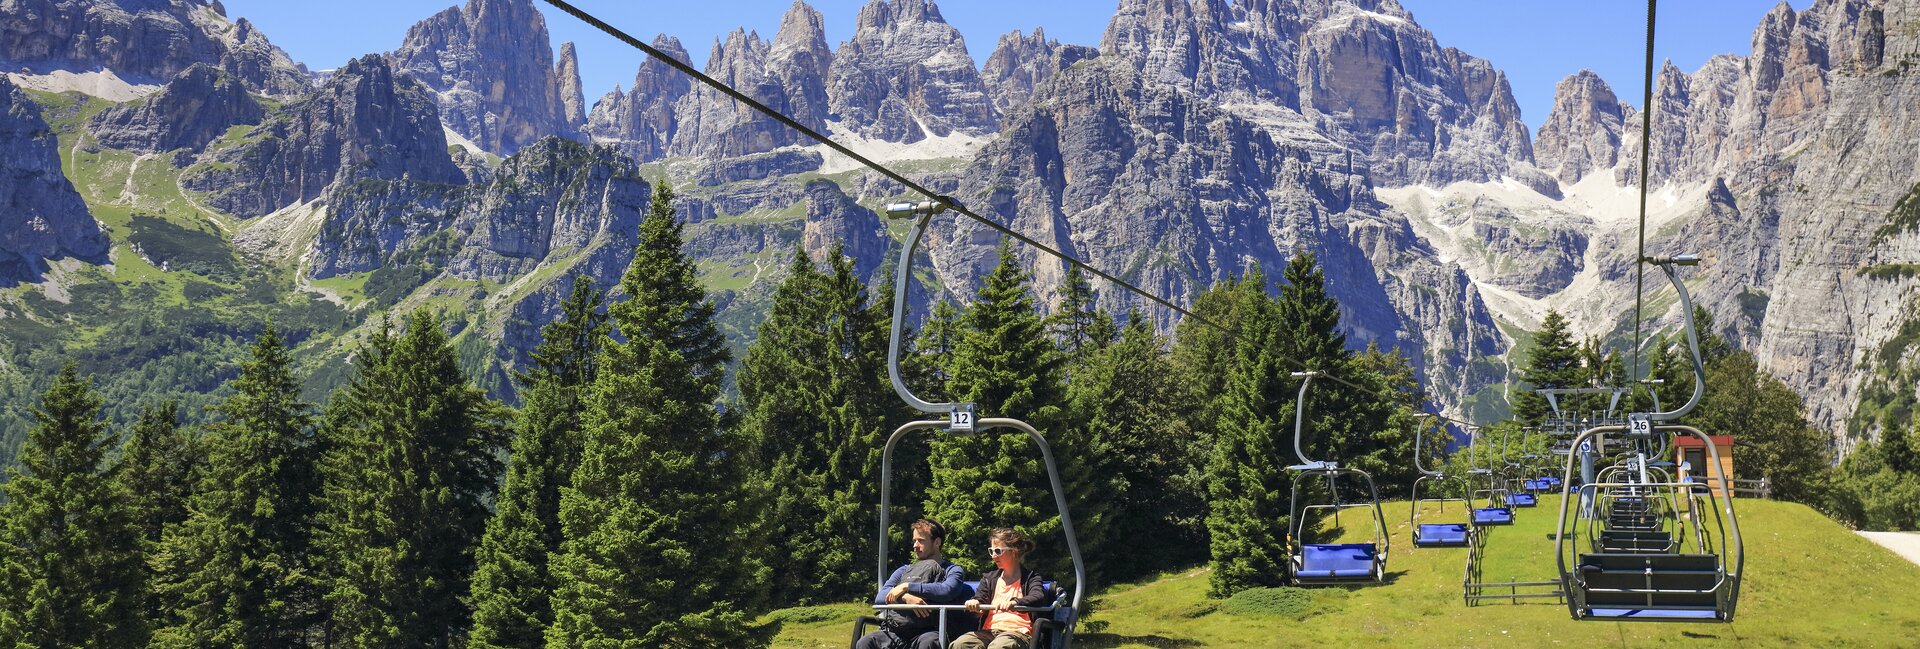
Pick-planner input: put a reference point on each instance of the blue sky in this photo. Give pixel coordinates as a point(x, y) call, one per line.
point(1537, 42)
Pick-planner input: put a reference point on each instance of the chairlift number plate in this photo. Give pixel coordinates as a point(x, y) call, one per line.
point(960, 419)
point(1640, 427)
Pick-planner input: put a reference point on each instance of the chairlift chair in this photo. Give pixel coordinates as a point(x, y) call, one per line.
point(1497, 511)
point(1435, 535)
point(1624, 576)
point(1518, 494)
point(1053, 624)
point(1330, 563)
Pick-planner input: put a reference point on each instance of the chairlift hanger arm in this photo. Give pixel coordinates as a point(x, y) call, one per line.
point(1666, 265)
point(902, 280)
point(1299, 416)
point(1419, 432)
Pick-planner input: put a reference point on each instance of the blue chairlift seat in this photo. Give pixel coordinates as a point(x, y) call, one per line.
point(1430, 535)
point(1493, 516)
point(1521, 500)
point(1654, 613)
point(1337, 561)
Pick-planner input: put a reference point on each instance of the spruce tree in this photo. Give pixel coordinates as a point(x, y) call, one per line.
point(1079, 326)
point(409, 472)
point(513, 584)
point(817, 402)
point(929, 369)
point(784, 382)
point(238, 571)
point(659, 544)
point(157, 469)
point(1203, 354)
point(70, 548)
point(1247, 486)
point(1008, 367)
point(1309, 317)
point(1133, 404)
point(1554, 363)
point(860, 415)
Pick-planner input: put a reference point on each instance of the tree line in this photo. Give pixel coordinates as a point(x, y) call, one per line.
point(627, 502)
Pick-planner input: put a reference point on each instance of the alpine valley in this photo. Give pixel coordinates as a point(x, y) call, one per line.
point(171, 181)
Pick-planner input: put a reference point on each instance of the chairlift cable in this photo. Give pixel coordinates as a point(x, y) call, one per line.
point(945, 201)
point(1646, 150)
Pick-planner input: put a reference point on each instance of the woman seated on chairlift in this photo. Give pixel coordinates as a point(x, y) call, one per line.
point(1007, 586)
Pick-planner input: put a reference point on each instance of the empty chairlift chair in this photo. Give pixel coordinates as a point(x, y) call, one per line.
point(1635, 568)
point(1435, 535)
point(1331, 563)
point(1496, 511)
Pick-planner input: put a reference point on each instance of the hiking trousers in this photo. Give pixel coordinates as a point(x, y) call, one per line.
point(992, 640)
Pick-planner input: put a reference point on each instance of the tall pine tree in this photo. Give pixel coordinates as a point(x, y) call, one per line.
point(1079, 326)
point(784, 382)
point(817, 403)
point(1008, 367)
point(157, 468)
point(514, 582)
point(1133, 406)
point(1247, 481)
point(70, 547)
point(659, 549)
point(238, 572)
point(409, 472)
point(1554, 363)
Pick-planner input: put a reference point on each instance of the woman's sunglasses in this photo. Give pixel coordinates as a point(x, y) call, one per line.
point(995, 552)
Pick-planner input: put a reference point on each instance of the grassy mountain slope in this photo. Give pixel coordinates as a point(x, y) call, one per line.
point(1810, 582)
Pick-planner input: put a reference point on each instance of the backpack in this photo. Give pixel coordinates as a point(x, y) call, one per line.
point(904, 622)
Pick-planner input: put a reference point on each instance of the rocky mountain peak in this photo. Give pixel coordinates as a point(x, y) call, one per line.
point(642, 123)
point(192, 110)
point(798, 62)
point(1018, 64)
point(1582, 133)
point(573, 103)
point(802, 32)
point(366, 122)
point(1362, 76)
point(906, 75)
point(890, 15)
point(713, 125)
point(491, 66)
point(145, 41)
point(41, 216)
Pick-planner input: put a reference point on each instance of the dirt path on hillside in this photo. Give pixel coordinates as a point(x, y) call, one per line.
point(1905, 544)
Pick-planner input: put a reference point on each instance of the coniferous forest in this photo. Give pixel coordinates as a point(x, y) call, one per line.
point(629, 500)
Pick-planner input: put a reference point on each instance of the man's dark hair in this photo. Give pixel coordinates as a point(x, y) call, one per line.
point(934, 530)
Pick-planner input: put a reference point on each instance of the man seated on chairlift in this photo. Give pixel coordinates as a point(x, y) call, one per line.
point(930, 579)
